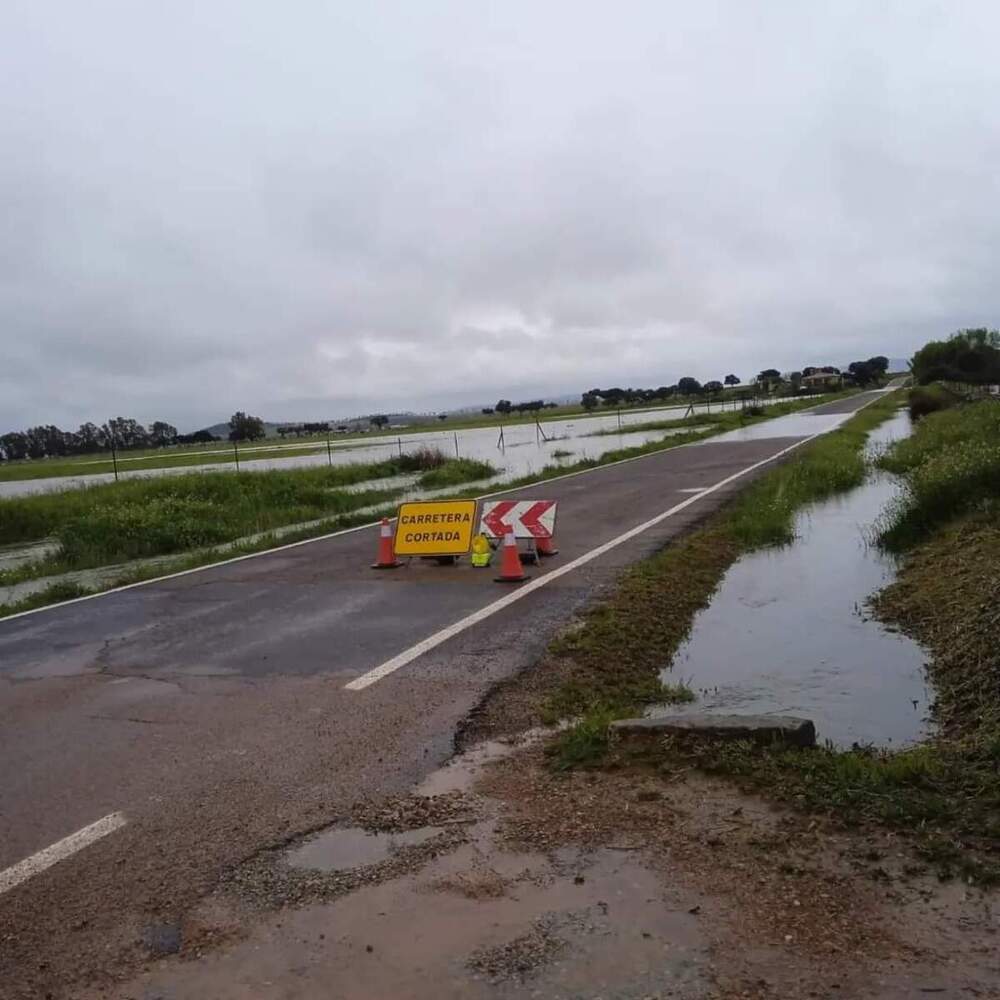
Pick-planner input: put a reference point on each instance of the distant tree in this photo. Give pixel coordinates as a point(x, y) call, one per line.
point(732, 380)
point(503, 406)
point(880, 363)
point(244, 427)
point(862, 373)
point(769, 375)
point(688, 386)
point(712, 387)
point(161, 433)
point(590, 401)
point(487, 410)
point(442, 416)
point(379, 420)
point(14, 446)
point(198, 437)
point(88, 438)
point(795, 378)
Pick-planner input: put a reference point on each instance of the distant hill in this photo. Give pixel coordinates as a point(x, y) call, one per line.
point(222, 430)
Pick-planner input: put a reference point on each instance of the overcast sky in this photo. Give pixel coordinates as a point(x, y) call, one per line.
point(312, 209)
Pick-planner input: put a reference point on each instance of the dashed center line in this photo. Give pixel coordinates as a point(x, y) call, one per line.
point(59, 851)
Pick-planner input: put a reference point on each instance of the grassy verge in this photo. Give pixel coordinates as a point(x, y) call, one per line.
point(111, 523)
point(944, 795)
point(64, 591)
point(951, 466)
point(612, 664)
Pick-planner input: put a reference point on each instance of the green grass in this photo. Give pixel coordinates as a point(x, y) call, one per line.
point(585, 742)
point(950, 465)
point(946, 802)
point(53, 594)
point(456, 472)
point(62, 591)
point(614, 660)
point(137, 518)
point(835, 463)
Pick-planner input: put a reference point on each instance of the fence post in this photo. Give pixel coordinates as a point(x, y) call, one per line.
point(114, 456)
point(399, 441)
point(619, 418)
point(456, 443)
point(501, 444)
point(329, 453)
point(236, 453)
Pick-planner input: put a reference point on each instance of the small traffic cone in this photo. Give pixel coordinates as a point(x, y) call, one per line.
point(546, 546)
point(511, 570)
point(386, 556)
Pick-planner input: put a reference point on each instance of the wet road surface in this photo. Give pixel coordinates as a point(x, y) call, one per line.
point(211, 709)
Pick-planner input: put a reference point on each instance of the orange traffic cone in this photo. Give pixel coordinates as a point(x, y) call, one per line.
point(511, 570)
point(386, 556)
point(546, 546)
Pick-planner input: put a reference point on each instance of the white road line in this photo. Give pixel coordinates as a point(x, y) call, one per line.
point(23, 870)
point(409, 655)
point(363, 527)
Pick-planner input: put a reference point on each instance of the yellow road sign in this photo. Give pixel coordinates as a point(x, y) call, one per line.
point(435, 528)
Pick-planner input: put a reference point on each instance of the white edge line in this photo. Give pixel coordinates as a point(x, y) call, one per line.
point(432, 641)
point(59, 851)
point(359, 527)
point(407, 656)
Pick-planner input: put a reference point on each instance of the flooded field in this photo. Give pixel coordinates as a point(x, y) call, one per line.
point(788, 633)
point(524, 449)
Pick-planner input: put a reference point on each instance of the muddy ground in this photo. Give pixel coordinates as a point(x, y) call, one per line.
point(606, 884)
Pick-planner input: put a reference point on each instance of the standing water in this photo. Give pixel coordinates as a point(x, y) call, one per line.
point(787, 632)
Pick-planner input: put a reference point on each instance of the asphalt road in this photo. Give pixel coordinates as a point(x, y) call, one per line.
point(211, 709)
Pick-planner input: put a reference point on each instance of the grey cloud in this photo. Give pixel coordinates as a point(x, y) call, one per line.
point(327, 209)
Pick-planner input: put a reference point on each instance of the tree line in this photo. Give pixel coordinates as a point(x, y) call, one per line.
point(119, 434)
point(859, 373)
point(122, 433)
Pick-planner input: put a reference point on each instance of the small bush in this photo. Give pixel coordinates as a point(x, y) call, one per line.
point(454, 472)
point(951, 466)
point(929, 399)
point(421, 460)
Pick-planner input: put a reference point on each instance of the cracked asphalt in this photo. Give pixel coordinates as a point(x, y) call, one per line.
point(210, 708)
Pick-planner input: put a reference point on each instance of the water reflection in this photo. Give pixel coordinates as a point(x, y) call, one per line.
point(787, 631)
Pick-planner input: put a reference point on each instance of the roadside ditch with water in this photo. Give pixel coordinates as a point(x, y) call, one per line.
point(788, 632)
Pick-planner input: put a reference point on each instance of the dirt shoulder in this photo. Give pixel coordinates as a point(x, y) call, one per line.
point(619, 883)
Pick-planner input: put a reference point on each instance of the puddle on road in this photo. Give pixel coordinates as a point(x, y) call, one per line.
point(345, 848)
point(478, 920)
point(787, 631)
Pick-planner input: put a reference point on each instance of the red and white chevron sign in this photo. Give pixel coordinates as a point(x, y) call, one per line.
point(528, 518)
